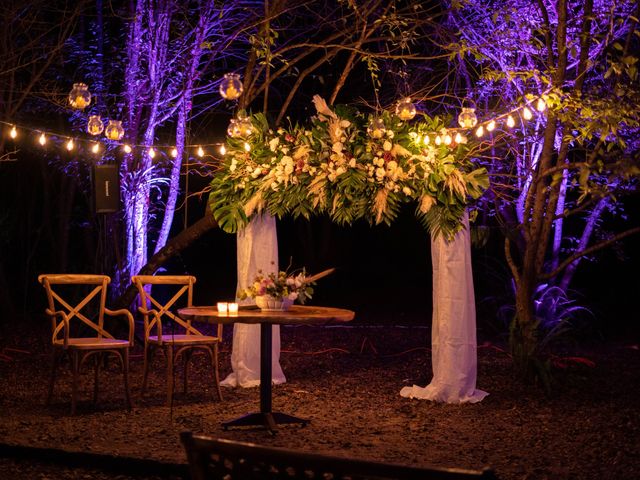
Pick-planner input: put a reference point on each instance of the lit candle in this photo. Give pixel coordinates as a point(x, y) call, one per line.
point(223, 307)
point(233, 308)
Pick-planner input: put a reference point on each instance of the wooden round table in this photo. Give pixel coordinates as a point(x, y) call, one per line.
point(296, 315)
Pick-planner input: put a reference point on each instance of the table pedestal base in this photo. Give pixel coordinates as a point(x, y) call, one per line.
point(268, 420)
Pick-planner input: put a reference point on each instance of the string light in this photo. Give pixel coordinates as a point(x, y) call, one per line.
point(174, 152)
point(200, 152)
point(247, 147)
point(42, 140)
point(13, 133)
point(458, 138)
point(70, 144)
point(541, 105)
point(447, 139)
point(526, 113)
point(151, 153)
point(510, 121)
point(438, 140)
point(425, 140)
point(491, 126)
point(126, 148)
point(95, 148)
point(479, 131)
point(223, 150)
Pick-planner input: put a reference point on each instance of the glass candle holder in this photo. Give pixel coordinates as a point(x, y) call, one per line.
point(223, 307)
point(233, 308)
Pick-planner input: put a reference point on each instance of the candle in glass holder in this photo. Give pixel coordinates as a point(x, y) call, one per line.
point(223, 307)
point(233, 308)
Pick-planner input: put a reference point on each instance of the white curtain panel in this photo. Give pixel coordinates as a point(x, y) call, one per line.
point(453, 337)
point(257, 249)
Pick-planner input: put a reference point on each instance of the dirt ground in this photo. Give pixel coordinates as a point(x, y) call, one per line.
point(347, 381)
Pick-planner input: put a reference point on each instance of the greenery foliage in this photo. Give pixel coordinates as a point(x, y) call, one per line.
point(336, 167)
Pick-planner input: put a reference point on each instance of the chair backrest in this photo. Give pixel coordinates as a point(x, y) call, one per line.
point(211, 458)
point(61, 308)
point(148, 301)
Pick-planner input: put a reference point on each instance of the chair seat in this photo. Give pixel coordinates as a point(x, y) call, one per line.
point(92, 343)
point(184, 339)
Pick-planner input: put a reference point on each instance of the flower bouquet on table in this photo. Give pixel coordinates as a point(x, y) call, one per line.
point(278, 291)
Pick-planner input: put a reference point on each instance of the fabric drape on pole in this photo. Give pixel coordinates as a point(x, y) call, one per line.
point(257, 249)
point(453, 337)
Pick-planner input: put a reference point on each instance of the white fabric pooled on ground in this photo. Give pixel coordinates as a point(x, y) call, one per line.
point(453, 337)
point(257, 249)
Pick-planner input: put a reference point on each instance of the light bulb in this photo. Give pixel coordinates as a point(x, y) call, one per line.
point(458, 138)
point(526, 113)
point(223, 150)
point(95, 148)
point(510, 121)
point(491, 126)
point(425, 140)
point(174, 152)
point(541, 105)
point(418, 139)
point(70, 145)
point(127, 149)
point(480, 131)
point(247, 147)
point(13, 133)
point(42, 140)
point(200, 152)
point(438, 140)
point(447, 139)
point(152, 152)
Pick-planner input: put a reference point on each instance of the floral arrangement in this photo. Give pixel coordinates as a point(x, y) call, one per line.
point(280, 285)
point(336, 167)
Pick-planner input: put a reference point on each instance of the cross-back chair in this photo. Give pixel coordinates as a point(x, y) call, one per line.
point(221, 459)
point(179, 338)
point(80, 334)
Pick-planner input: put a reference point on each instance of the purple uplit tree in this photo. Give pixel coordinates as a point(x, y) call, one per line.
point(564, 169)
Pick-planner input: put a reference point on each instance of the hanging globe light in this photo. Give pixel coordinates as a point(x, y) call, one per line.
point(467, 118)
point(79, 96)
point(95, 126)
point(231, 86)
point(244, 125)
point(114, 130)
point(233, 130)
point(405, 110)
point(376, 128)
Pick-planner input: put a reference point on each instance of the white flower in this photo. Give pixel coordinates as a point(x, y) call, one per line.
point(352, 163)
point(345, 123)
point(406, 191)
point(387, 146)
point(273, 143)
point(390, 133)
point(288, 169)
point(380, 173)
point(337, 147)
point(256, 173)
point(234, 164)
point(340, 170)
point(392, 165)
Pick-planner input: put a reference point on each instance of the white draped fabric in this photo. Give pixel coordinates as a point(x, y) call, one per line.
point(257, 249)
point(453, 336)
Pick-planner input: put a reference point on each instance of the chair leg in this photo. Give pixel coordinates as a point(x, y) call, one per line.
point(75, 367)
point(125, 373)
point(214, 360)
point(187, 357)
point(147, 353)
point(55, 358)
point(96, 372)
point(168, 349)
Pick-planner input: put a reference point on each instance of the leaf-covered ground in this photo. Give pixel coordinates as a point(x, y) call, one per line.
point(347, 381)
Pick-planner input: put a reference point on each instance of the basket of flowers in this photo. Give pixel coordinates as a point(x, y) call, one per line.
point(278, 291)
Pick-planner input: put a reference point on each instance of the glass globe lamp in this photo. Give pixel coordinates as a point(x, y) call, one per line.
point(376, 128)
point(405, 110)
point(467, 118)
point(114, 130)
point(231, 86)
point(79, 96)
point(95, 126)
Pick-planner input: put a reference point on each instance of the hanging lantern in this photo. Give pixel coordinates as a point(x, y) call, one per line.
point(405, 110)
point(231, 86)
point(376, 127)
point(467, 118)
point(79, 96)
point(510, 121)
point(95, 126)
point(114, 130)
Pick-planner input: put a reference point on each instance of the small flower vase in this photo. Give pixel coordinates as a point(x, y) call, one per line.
point(267, 303)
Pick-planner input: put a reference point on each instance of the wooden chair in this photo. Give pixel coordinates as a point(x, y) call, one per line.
point(211, 458)
point(173, 344)
point(67, 321)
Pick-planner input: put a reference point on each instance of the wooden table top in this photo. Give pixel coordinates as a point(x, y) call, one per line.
point(296, 315)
